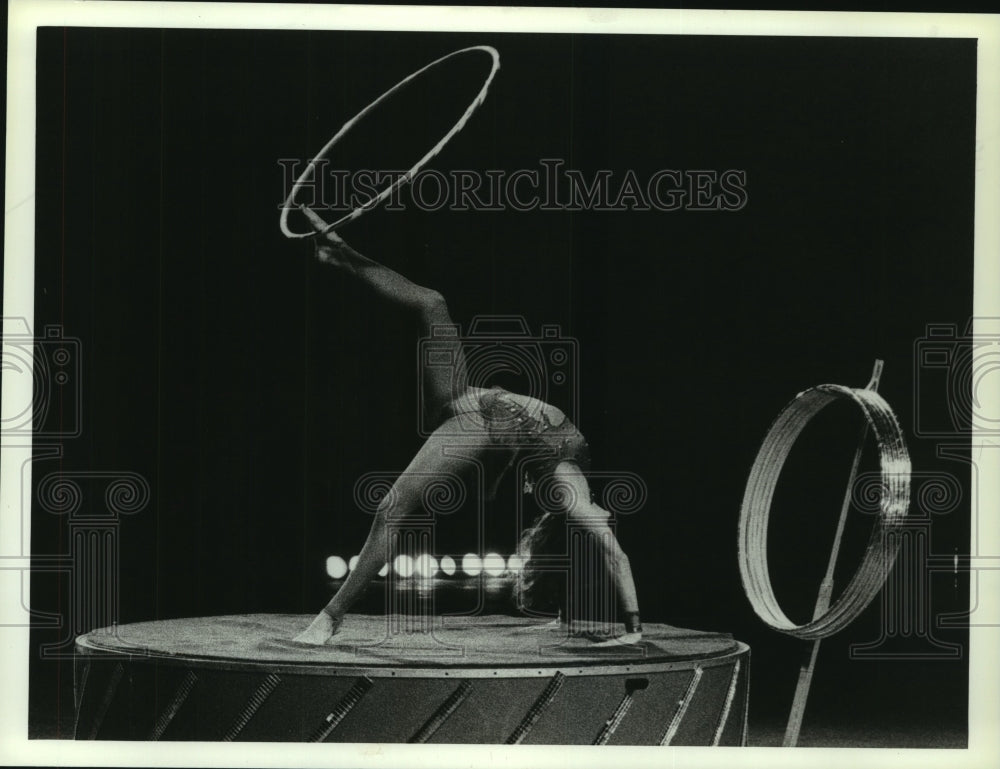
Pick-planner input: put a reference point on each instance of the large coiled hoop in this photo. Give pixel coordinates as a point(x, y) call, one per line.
point(894, 463)
point(376, 199)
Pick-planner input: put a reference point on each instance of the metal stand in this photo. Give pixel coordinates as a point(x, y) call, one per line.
point(826, 588)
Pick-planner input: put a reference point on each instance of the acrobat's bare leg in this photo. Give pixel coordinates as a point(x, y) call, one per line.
point(431, 465)
point(441, 384)
point(375, 553)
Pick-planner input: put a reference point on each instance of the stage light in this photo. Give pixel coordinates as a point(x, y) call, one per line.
point(494, 564)
point(426, 565)
point(515, 563)
point(353, 563)
point(448, 565)
point(336, 567)
point(384, 570)
point(403, 565)
point(472, 564)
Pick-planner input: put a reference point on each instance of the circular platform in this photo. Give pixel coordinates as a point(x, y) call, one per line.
point(483, 679)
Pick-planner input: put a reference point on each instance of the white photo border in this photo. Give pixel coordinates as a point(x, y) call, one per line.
point(26, 16)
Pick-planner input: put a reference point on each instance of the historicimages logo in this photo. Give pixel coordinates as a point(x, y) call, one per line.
point(549, 187)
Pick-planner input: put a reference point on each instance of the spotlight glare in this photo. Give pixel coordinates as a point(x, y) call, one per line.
point(472, 564)
point(336, 567)
point(403, 565)
point(384, 570)
point(426, 565)
point(515, 563)
point(353, 563)
point(494, 564)
point(448, 565)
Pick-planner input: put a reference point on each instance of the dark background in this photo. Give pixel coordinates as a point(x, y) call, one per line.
point(252, 387)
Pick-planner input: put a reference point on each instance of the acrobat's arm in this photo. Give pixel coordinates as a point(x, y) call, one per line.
point(620, 568)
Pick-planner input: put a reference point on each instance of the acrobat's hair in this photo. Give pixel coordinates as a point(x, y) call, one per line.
point(537, 589)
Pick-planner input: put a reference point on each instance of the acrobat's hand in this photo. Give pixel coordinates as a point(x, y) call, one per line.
point(321, 630)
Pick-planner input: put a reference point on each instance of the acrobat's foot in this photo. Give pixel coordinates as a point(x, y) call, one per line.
point(622, 640)
point(330, 237)
point(555, 624)
point(322, 629)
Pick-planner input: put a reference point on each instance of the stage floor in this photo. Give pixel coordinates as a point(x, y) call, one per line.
point(393, 640)
point(406, 678)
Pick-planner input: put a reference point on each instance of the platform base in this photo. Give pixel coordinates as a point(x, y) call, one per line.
point(486, 679)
